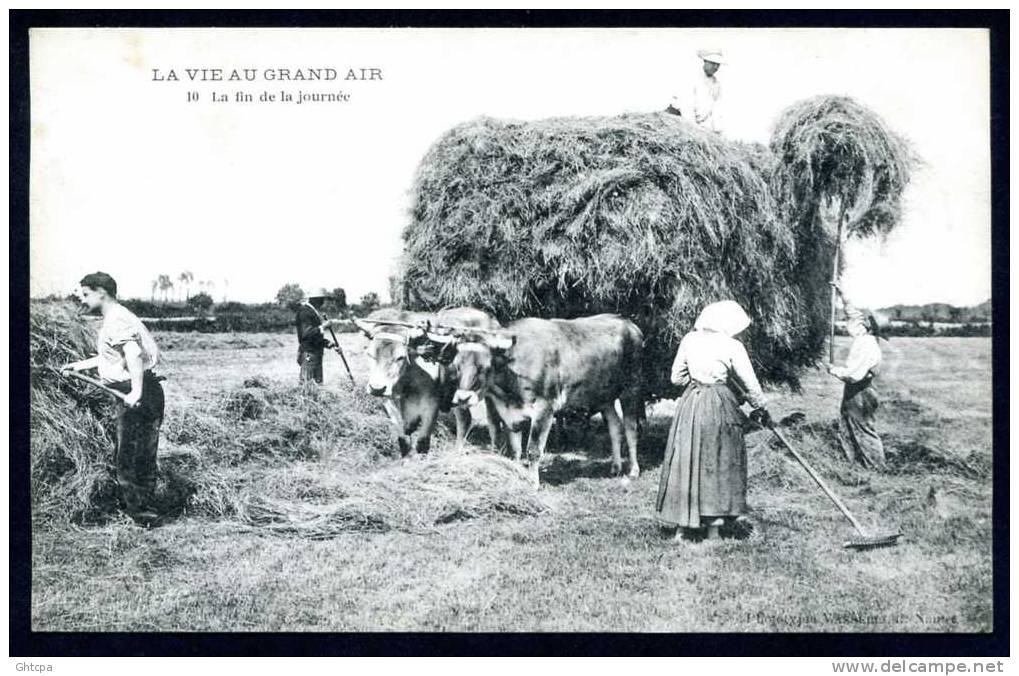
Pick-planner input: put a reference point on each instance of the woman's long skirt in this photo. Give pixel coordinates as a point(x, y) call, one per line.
point(704, 474)
point(858, 436)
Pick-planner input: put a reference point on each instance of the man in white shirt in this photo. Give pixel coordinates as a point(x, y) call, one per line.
point(703, 105)
point(126, 356)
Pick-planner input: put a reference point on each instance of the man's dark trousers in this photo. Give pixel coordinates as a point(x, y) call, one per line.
point(137, 444)
point(311, 365)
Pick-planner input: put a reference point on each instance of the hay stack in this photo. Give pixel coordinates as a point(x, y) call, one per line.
point(71, 424)
point(645, 215)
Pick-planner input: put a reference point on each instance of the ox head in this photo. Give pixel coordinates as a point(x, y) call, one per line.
point(475, 356)
point(391, 351)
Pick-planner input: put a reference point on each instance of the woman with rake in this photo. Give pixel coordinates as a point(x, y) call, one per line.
point(704, 474)
point(857, 435)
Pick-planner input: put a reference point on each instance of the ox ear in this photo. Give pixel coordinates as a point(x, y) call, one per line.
point(364, 327)
point(500, 342)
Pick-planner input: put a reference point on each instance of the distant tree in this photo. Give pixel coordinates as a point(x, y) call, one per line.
point(336, 304)
point(395, 290)
point(165, 285)
point(200, 302)
point(369, 302)
point(289, 295)
point(155, 285)
point(186, 278)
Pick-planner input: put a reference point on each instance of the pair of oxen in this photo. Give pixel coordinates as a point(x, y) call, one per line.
point(525, 373)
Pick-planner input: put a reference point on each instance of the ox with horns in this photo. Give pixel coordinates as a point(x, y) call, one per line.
point(535, 368)
point(414, 383)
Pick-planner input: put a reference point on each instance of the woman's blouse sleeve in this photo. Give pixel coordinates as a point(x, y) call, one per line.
point(864, 357)
point(680, 374)
point(744, 372)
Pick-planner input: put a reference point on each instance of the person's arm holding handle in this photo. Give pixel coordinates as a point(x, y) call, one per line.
point(83, 365)
point(136, 368)
point(752, 392)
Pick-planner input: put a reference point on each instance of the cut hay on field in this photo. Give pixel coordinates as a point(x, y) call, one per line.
point(641, 214)
point(273, 421)
point(412, 496)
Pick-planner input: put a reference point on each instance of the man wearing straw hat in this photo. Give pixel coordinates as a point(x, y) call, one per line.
point(126, 356)
point(311, 328)
point(704, 106)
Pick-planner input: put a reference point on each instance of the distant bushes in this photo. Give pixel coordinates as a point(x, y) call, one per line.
point(228, 317)
point(145, 308)
point(231, 317)
point(967, 331)
point(919, 330)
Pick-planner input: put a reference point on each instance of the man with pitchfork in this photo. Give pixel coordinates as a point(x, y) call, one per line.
point(127, 353)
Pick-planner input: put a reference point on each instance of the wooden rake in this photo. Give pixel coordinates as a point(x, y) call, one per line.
point(866, 539)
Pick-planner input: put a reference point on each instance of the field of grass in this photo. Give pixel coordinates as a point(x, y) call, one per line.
point(593, 559)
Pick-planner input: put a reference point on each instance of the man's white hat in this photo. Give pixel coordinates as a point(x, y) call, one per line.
point(713, 55)
point(320, 292)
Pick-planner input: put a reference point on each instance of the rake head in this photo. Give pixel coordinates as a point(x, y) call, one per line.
point(873, 541)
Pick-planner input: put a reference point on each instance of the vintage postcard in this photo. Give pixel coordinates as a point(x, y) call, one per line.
point(511, 330)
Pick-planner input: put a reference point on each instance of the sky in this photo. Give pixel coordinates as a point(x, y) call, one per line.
point(129, 177)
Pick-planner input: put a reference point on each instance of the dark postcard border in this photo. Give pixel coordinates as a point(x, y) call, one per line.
point(24, 642)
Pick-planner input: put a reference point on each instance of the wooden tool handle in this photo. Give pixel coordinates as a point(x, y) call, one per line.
point(834, 293)
point(92, 381)
point(819, 481)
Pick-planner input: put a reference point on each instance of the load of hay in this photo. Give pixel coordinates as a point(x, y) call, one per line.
point(832, 147)
point(648, 216)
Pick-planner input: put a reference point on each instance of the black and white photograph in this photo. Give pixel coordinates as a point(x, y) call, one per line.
point(655, 330)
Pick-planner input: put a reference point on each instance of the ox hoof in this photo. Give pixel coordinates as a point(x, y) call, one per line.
point(617, 468)
point(532, 473)
point(634, 472)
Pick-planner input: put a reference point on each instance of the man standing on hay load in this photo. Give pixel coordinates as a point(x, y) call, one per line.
point(857, 435)
point(311, 336)
point(127, 355)
point(704, 106)
point(704, 473)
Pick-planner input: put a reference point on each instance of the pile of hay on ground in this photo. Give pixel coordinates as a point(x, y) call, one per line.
point(272, 421)
point(71, 424)
point(73, 433)
point(412, 496)
point(641, 214)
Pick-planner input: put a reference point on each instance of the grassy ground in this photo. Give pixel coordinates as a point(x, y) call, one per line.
point(594, 559)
